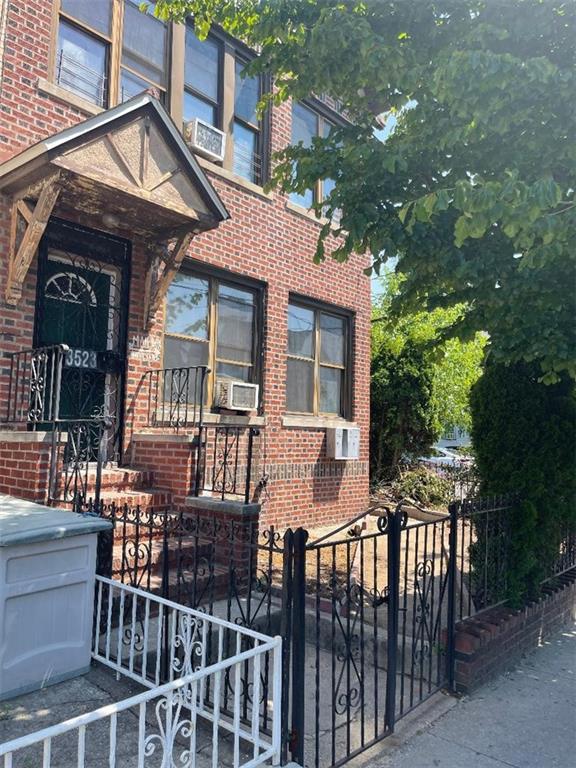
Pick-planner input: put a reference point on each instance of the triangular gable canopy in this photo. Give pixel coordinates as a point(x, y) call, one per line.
point(128, 165)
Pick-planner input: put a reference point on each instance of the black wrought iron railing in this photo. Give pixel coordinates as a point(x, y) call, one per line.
point(34, 383)
point(224, 465)
point(225, 461)
point(482, 553)
point(175, 396)
point(78, 445)
point(565, 558)
point(77, 457)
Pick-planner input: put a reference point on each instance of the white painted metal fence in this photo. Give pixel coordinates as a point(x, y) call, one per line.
point(205, 715)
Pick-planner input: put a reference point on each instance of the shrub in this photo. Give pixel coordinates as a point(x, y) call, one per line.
point(524, 433)
point(423, 486)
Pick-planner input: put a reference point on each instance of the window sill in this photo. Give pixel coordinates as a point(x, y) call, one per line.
point(234, 419)
point(315, 422)
point(224, 173)
point(23, 436)
point(307, 213)
point(217, 418)
point(47, 88)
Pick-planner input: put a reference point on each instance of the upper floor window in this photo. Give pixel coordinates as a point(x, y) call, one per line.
point(108, 51)
point(317, 381)
point(144, 51)
point(306, 123)
point(247, 129)
point(83, 51)
point(86, 59)
point(215, 91)
point(202, 79)
point(212, 321)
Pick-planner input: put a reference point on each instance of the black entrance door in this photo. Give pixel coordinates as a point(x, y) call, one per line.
point(81, 302)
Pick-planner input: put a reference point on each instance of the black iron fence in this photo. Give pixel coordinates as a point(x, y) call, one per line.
point(78, 452)
point(226, 461)
point(175, 396)
point(224, 452)
point(78, 445)
point(565, 558)
point(367, 615)
point(483, 535)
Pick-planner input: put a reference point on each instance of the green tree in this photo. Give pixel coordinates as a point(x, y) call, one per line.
point(419, 384)
point(402, 420)
point(473, 190)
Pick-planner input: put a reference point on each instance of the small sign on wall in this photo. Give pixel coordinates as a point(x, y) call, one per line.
point(144, 347)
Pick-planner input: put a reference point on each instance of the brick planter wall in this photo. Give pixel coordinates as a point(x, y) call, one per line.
point(495, 640)
point(25, 464)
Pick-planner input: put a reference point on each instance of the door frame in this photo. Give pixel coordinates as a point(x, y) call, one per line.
point(64, 235)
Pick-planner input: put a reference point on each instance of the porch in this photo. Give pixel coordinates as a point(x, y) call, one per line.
point(166, 451)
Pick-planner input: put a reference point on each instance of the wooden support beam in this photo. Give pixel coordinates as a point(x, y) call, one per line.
point(121, 158)
point(35, 219)
point(157, 283)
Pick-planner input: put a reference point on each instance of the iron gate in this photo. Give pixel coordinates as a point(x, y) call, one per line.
point(369, 636)
point(366, 615)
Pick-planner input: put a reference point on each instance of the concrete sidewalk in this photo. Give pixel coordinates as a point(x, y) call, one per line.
point(524, 719)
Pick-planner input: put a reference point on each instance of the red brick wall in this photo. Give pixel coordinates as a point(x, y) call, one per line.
point(263, 240)
point(24, 469)
point(496, 640)
point(171, 462)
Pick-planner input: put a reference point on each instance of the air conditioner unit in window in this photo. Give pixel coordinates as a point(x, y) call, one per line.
point(343, 443)
point(205, 139)
point(236, 395)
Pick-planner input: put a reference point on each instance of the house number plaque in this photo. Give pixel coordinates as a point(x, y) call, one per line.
point(81, 358)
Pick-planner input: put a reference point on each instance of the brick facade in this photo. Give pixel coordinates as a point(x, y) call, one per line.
point(495, 640)
point(265, 239)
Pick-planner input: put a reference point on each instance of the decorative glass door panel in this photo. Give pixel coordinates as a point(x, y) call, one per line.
point(81, 302)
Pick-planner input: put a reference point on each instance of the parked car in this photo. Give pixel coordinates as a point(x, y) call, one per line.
point(444, 457)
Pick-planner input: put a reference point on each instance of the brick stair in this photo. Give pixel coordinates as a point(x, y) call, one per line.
point(123, 479)
point(214, 582)
point(189, 553)
point(149, 499)
point(131, 486)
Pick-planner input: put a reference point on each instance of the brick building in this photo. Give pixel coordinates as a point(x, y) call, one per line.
point(141, 255)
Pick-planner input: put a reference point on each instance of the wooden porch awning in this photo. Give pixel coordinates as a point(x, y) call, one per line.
point(128, 169)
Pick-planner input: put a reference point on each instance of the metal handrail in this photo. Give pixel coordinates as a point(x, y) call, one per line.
point(34, 384)
point(176, 396)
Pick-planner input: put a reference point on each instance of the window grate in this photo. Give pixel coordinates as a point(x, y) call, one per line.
point(75, 76)
point(247, 164)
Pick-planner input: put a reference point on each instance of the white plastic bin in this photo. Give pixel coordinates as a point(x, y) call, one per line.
point(47, 569)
